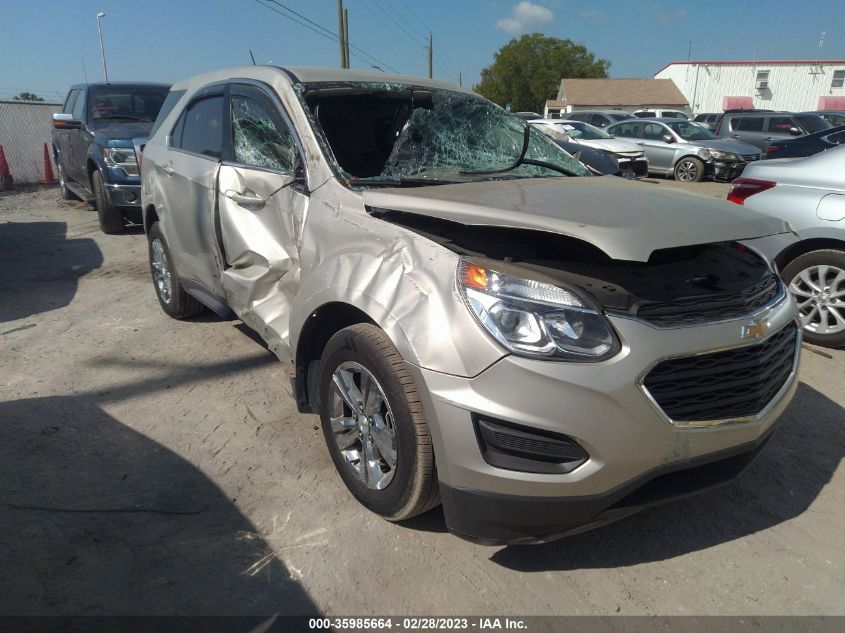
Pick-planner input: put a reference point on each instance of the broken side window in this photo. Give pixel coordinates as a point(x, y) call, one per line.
point(258, 140)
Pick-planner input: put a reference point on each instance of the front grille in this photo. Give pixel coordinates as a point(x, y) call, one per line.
point(724, 385)
point(750, 157)
point(714, 307)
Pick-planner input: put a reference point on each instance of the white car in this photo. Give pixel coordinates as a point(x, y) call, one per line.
point(809, 193)
point(656, 113)
point(631, 157)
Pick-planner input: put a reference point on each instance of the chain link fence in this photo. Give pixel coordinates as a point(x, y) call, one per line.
point(25, 127)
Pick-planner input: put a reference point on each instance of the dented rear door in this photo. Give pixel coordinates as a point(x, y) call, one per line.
point(262, 204)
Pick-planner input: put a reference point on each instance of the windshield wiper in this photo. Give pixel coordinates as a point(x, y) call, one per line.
point(399, 182)
point(526, 140)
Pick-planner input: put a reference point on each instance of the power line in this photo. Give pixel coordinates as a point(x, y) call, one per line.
point(392, 19)
point(322, 31)
point(425, 26)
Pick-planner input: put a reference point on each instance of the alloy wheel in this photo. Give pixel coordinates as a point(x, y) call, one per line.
point(820, 293)
point(363, 425)
point(162, 276)
point(687, 171)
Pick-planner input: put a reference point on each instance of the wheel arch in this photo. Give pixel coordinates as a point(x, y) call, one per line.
point(803, 247)
point(150, 217)
point(318, 328)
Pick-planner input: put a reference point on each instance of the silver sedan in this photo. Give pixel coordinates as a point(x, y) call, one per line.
point(685, 149)
point(810, 194)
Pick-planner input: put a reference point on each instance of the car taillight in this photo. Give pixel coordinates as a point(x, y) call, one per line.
point(773, 148)
point(743, 188)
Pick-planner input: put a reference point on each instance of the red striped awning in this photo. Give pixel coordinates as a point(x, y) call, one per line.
point(831, 103)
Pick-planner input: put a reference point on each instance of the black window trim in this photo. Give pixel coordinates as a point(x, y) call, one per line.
point(216, 89)
point(83, 94)
point(270, 95)
point(68, 105)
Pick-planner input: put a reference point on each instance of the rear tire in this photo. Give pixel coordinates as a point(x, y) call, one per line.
point(817, 281)
point(689, 169)
point(111, 219)
point(171, 295)
point(395, 475)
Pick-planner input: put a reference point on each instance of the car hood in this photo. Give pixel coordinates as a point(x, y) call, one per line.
point(626, 220)
point(122, 130)
point(728, 146)
point(612, 145)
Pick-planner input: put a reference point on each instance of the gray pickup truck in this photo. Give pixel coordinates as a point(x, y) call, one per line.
point(97, 141)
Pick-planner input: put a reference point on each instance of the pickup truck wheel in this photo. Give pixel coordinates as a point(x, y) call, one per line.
point(817, 281)
point(111, 219)
point(67, 194)
point(689, 169)
point(374, 424)
point(171, 295)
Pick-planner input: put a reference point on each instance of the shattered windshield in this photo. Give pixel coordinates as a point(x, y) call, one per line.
point(396, 132)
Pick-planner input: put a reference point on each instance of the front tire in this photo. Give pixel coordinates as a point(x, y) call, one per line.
point(111, 219)
point(817, 281)
point(374, 425)
point(171, 295)
point(689, 169)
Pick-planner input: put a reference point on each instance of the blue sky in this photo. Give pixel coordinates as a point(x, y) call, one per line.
point(43, 42)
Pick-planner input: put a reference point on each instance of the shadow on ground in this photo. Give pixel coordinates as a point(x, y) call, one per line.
point(780, 485)
point(99, 519)
point(53, 267)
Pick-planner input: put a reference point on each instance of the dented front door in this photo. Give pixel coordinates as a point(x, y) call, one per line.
point(261, 209)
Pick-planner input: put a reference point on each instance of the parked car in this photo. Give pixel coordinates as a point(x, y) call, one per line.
point(708, 119)
point(760, 128)
point(809, 193)
point(528, 116)
point(598, 118)
point(834, 117)
point(630, 158)
point(472, 301)
point(657, 113)
point(599, 162)
point(97, 140)
point(807, 145)
point(685, 150)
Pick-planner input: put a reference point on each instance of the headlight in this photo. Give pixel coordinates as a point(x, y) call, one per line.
point(121, 158)
point(723, 155)
point(535, 319)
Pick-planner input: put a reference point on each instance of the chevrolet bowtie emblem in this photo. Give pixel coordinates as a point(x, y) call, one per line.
point(755, 329)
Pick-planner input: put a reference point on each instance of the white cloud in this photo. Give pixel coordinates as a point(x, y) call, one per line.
point(525, 16)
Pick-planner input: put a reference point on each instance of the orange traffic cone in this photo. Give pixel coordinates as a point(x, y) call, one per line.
point(49, 178)
point(5, 176)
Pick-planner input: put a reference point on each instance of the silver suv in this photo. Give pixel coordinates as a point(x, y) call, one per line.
point(763, 128)
point(475, 319)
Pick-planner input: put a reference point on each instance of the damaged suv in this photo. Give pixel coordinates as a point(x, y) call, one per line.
point(474, 317)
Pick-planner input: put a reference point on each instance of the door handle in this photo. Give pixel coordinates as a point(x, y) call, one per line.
point(243, 199)
point(768, 139)
point(167, 169)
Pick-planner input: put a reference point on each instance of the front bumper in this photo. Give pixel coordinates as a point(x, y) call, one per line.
point(124, 195)
point(727, 170)
point(603, 407)
point(632, 168)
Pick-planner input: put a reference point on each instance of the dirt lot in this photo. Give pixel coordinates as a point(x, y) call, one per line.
point(149, 466)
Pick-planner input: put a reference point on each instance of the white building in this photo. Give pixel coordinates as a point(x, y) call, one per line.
point(712, 86)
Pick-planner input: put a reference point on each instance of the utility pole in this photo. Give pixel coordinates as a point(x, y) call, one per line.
point(346, 35)
point(340, 37)
point(460, 78)
point(430, 54)
point(102, 49)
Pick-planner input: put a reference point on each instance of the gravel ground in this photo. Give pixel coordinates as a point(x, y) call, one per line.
point(149, 466)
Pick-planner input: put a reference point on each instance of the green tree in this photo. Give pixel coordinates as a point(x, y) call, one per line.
point(27, 96)
point(527, 71)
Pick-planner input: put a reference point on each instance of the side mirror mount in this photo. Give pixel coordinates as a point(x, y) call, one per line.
point(62, 121)
point(668, 138)
point(794, 131)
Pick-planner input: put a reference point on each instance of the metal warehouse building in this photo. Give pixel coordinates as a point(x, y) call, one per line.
point(713, 86)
